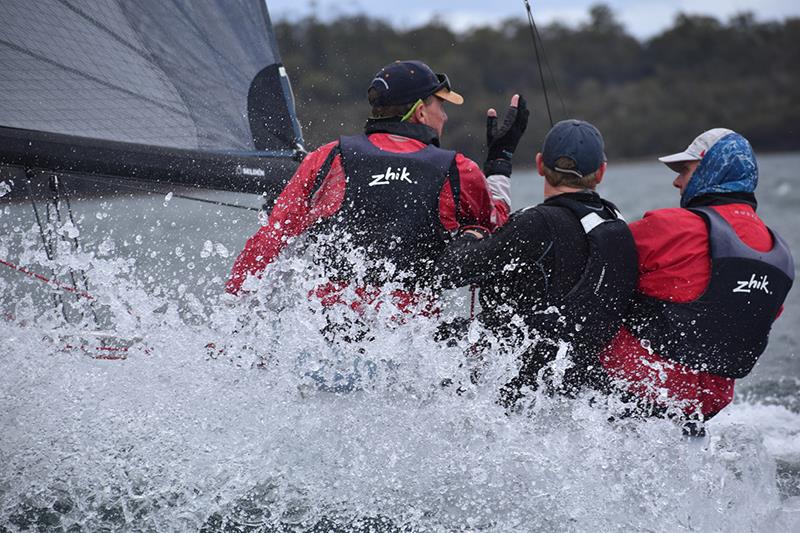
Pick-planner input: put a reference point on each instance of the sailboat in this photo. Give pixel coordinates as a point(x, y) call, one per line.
point(137, 96)
point(182, 92)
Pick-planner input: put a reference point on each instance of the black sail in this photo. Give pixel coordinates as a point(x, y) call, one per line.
point(178, 90)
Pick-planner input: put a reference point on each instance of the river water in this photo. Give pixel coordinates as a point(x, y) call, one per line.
point(178, 436)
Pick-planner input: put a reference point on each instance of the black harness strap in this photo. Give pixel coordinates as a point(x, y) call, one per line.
point(324, 169)
point(455, 187)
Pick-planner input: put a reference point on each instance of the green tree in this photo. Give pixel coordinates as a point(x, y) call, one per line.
point(645, 96)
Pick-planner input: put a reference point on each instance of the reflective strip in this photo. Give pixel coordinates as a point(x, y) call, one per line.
point(282, 71)
point(619, 216)
point(569, 171)
point(383, 81)
point(591, 221)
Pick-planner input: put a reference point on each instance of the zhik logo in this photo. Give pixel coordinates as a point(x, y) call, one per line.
point(390, 175)
point(753, 283)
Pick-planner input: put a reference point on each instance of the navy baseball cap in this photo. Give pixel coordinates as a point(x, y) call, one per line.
point(577, 140)
point(405, 82)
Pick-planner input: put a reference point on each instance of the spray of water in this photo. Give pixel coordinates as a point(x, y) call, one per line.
point(246, 414)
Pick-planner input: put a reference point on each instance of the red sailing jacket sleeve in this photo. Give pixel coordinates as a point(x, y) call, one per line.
point(477, 207)
point(294, 212)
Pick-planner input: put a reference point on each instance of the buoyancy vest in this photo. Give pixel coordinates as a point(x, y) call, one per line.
point(725, 330)
point(593, 309)
point(390, 211)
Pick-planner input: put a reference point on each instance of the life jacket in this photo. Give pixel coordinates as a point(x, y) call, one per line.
point(725, 330)
point(390, 212)
point(593, 309)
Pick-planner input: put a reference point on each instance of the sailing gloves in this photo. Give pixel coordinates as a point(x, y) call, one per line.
point(503, 141)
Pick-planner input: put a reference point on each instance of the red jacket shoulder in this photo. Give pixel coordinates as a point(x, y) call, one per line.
point(674, 262)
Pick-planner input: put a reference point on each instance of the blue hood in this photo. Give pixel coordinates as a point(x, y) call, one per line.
point(728, 166)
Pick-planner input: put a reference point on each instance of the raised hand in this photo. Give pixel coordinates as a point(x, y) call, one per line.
point(503, 141)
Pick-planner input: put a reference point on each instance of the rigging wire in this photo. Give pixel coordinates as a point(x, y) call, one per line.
point(550, 71)
point(38, 218)
point(56, 203)
point(59, 184)
point(57, 300)
point(537, 45)
point(142, 188)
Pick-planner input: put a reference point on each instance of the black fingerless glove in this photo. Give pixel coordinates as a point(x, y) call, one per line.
point(503, 142)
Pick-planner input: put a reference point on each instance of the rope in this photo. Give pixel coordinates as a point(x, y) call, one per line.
point(53, 283)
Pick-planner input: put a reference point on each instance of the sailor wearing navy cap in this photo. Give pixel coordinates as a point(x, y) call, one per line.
point(567, 267)
point(391, 192)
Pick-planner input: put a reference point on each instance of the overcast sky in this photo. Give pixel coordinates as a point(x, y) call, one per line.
point(642, 18)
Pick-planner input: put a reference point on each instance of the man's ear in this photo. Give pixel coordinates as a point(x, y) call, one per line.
point(420, 114)
point(540, 163)
point(600, 173)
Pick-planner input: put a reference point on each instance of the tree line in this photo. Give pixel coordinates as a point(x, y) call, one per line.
point(647, 97)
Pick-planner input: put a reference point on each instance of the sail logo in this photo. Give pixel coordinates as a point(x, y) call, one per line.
point(753, 284)
point(390, 175)
point(249, 171)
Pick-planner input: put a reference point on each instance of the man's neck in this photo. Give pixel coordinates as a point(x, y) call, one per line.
point(412, 130)
point(550, 190)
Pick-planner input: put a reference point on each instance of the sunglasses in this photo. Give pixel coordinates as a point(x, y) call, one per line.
point(444, 82)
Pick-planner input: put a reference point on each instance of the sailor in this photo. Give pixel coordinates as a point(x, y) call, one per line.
point(392, 193)
point(566, 267)
point(713, 278)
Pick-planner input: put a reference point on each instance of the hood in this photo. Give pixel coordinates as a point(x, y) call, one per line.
point(728, 166)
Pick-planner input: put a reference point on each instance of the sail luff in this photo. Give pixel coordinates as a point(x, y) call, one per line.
point(286, 85)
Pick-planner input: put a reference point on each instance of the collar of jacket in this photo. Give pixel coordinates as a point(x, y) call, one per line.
point(725, 198)
point(586, 196)
point(419, 132)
